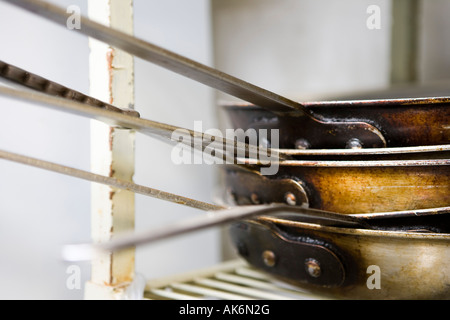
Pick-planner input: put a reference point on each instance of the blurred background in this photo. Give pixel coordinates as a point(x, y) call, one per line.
point(302, 49)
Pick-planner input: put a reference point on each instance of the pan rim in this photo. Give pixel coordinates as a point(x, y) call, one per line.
point(397, 234)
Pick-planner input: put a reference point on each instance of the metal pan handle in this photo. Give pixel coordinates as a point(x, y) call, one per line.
point(370, 136)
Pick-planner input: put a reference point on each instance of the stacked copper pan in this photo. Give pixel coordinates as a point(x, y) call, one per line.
point(399, 184)
point(384, 163)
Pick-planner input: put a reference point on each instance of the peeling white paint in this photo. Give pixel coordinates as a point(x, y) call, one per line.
point(112, 152)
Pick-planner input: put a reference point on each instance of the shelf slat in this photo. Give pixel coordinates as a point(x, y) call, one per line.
point(233, 280)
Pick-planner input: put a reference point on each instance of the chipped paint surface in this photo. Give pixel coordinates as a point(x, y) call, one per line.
point(110, 60)
point(112, 151)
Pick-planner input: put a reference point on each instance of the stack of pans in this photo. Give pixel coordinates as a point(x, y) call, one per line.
point(400, 188)
point(384, 162)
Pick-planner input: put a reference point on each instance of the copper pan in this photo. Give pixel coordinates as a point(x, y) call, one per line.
point(346, 187)
point(402, 122)
point(346, 263)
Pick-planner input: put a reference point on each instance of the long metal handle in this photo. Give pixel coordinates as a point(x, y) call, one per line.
point(80, 252)
point(433, 219)
point(335, 132)
point(225, 150)
point(267, 213)
point(170, 60)
point(113, 182)
point(33, 81)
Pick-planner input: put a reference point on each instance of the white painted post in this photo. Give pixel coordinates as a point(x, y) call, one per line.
point(112, 152)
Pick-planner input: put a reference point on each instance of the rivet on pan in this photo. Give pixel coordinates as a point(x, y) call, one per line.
point(290, 199)
point(313, 268)
point(354, 144)
point(269, 258)
point(255, 199)
point(302, 144)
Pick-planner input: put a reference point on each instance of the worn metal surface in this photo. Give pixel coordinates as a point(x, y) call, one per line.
point(359, 187)
point(248, 188)
point(403, 122)
point(433, 219)
point(412, 265)
point(411, 174)
point(330, 185)
point(296, 259)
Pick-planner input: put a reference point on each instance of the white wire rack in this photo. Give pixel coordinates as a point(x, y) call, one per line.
point(232, 280)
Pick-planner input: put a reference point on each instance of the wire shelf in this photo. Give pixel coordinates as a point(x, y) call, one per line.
point(233, 280)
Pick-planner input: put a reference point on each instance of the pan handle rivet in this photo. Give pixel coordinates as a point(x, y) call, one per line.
point(290, 199)
point(269, 258)
point(354, 144)
point(255, 199)
point(313, 268)
point(302, 144)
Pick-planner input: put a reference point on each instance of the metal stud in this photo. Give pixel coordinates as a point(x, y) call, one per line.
point(302, 144)
point(290, 199)
point(255, 199)
point(313, 268)
point(269, 258)
point(354, 144)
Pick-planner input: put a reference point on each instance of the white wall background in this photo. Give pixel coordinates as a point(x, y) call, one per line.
point(300, 49)
point(434, 51)
point(40, 211)
point(303, 49)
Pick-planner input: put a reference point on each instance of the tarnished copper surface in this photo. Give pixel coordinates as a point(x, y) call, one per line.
point(361, 189)
point(410, 265)
point(249, 188)
point(330, 260)
point(403, 122)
